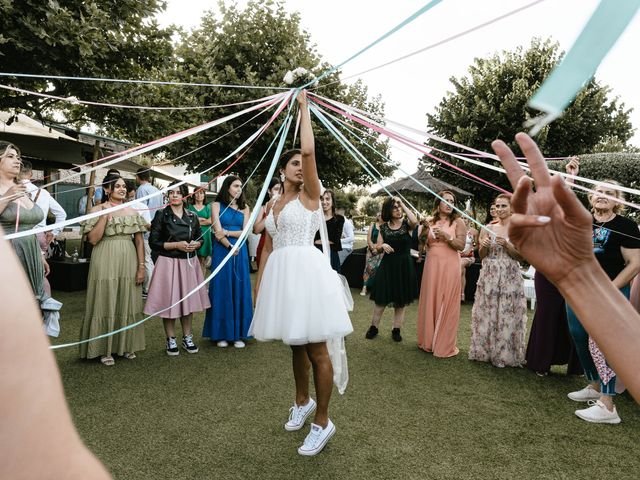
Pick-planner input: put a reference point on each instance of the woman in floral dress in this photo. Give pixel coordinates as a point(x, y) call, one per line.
point(499, 315)
point(372, 261)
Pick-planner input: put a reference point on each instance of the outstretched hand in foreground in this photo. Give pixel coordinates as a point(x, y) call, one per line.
point(549, 226)
point(553, 232)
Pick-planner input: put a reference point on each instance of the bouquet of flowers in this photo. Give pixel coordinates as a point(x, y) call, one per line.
point(299, 77)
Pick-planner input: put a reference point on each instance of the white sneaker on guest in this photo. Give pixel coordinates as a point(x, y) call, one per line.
point(239, 344)
point(298, 415)
point(584, 395)
point(317, 439)
point(598, 413)
point(223, 344)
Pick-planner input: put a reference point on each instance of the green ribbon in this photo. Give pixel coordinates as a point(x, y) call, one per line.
point(601, 32)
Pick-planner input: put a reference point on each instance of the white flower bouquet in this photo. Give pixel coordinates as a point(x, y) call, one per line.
point(299, 77)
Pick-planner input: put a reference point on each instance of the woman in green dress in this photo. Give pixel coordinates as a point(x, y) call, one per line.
point(202, 209)
point(114, 289)
point(19, 213)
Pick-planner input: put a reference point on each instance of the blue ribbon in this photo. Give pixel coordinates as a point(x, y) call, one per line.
point(581, 62)
point(282, 133)
point(402, 24)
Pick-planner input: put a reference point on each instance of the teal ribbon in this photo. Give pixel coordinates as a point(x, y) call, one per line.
point(579, 65)
point(357, 156)
point(282, 134)
point(402, 24)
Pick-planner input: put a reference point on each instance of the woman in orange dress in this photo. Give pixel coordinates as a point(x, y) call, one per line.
point(439, 305)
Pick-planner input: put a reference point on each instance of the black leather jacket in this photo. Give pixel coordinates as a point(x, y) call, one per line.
point(166, 227)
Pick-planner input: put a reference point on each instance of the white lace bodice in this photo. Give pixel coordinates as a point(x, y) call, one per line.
point(297, 226)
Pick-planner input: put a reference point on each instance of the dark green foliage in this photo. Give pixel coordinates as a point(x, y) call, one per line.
point(621, 167)
point(256, 45)
point(490, 103)
point(91, 38)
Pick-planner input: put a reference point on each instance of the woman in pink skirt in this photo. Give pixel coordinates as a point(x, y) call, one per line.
point(174, 240)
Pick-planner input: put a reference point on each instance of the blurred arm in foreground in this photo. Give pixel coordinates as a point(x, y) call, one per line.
point(553, 231)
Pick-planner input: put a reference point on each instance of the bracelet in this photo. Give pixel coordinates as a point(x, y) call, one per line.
point(141, 264)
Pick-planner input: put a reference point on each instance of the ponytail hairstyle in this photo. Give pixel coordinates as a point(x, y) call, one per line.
point(108, 183)
point(283, 161)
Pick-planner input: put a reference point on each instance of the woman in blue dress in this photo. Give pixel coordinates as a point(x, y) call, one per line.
point(231, 310)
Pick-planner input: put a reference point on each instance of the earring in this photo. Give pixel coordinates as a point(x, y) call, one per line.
point(282, 177)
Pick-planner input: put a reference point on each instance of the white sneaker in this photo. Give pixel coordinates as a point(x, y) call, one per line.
point(239, 344)
point(298, 415)
point(317, 439)
point(598, 413)
point(584, 395)
point(223, 344)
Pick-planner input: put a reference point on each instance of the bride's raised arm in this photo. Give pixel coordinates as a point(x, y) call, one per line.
point(307, 147)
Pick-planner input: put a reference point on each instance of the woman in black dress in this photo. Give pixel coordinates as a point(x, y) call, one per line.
point(334, 228)
point(395, 282)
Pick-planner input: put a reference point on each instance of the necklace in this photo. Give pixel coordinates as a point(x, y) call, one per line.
point(608, 219)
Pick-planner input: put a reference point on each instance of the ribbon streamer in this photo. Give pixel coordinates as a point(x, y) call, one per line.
point(367, 116)
point(146, 82)
point(418, 182)
point(284, 129)
point(581, 62)
point(402, 24)
point(76, 101)
point(124, 205)
point(437, 44)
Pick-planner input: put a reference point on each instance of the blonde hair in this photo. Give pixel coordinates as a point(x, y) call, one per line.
point(618, 208)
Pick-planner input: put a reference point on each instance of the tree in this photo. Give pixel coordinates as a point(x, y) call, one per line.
point(369, 206)
point(257, 46)
point(491, 103)
point(93, 39)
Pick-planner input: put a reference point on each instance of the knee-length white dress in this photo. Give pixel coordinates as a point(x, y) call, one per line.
point(300, 299)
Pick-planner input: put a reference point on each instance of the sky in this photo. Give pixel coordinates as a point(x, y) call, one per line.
point(414, 87)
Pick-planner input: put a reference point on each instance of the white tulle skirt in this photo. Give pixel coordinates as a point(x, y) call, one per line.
point(300, 299)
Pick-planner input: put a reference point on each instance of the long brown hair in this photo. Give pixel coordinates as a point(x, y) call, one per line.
point(436, 208)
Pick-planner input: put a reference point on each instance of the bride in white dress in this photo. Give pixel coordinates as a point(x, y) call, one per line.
point(296, 290)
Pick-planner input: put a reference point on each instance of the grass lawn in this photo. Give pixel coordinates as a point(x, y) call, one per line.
point(220, 413)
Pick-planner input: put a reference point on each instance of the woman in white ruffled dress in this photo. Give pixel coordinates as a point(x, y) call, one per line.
point(296, 288)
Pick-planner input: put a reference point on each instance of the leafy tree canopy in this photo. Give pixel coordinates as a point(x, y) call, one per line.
point(256, 45)
point(90, 38)
point(491, 103)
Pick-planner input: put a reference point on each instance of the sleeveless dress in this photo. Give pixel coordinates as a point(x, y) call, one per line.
point(230, 290)
point(499, 314)
point(395, 282)
point(27, 248)
point(439, 306)
point(297, 298)
point(113, 299)
point(205, 212)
